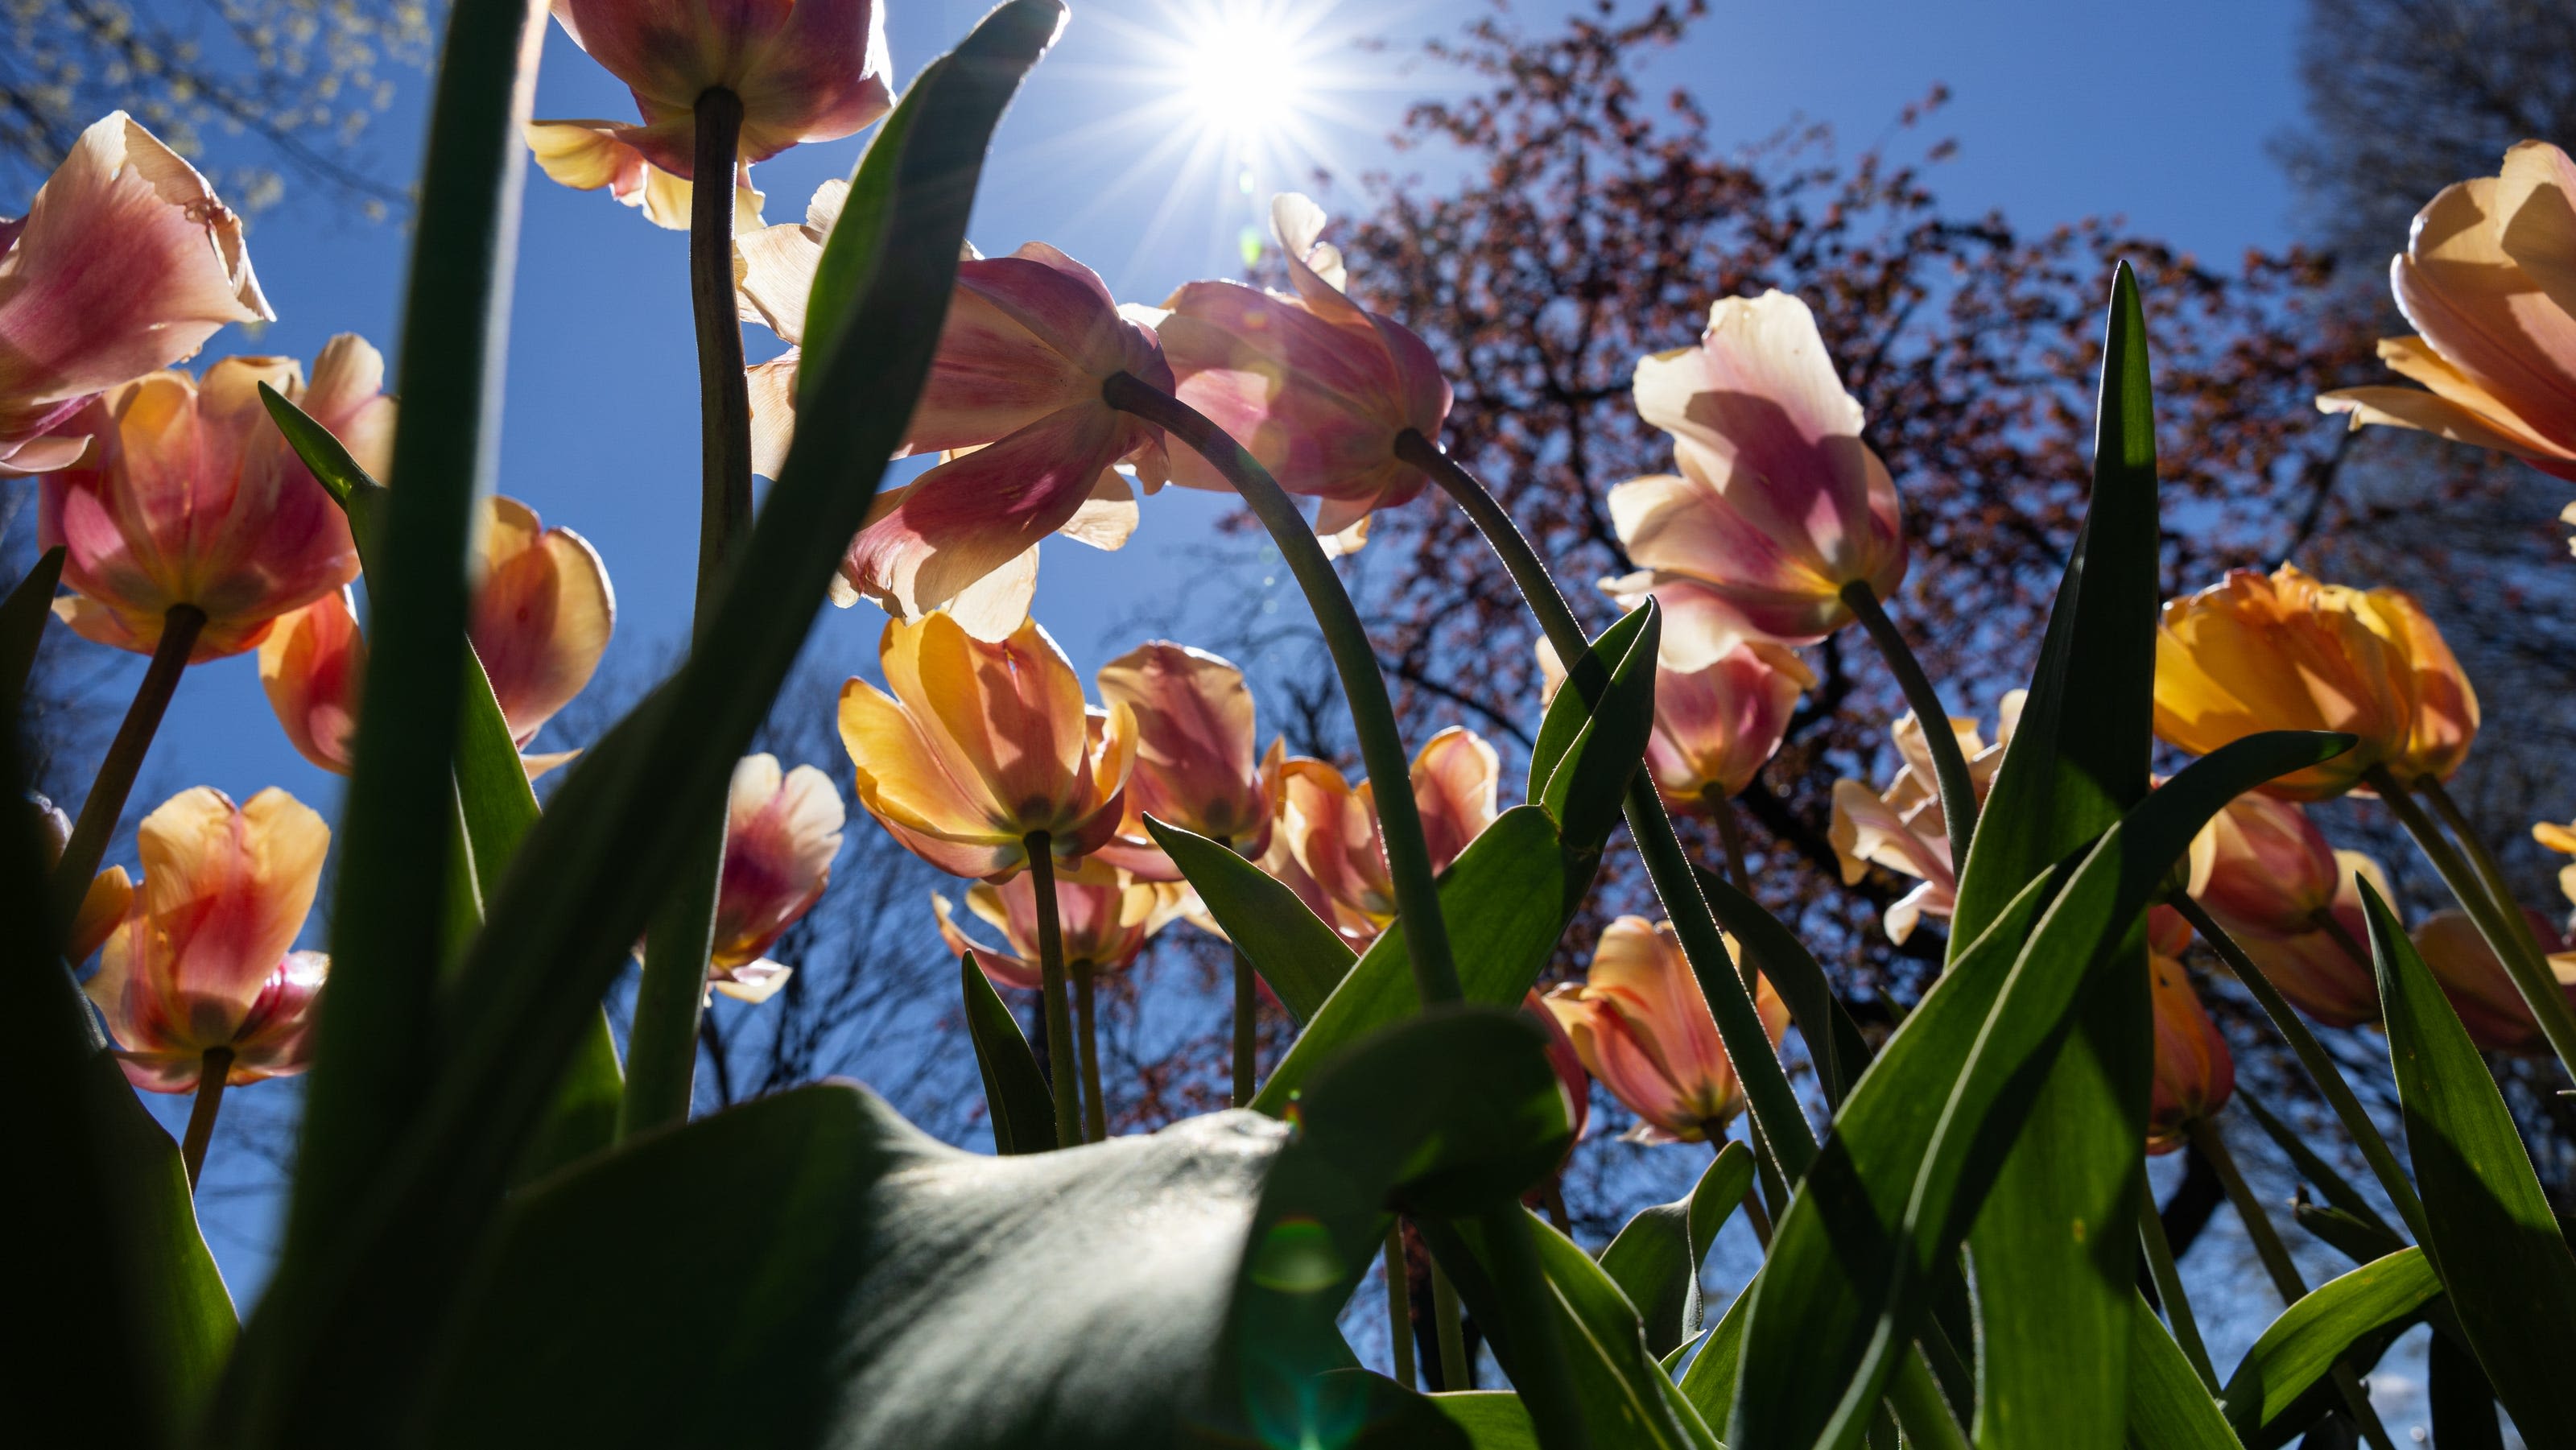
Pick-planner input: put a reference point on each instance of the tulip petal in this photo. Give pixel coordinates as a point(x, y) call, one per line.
point(2486, 315)
point(311, 665)
point(543, 612)
point(2536, 202)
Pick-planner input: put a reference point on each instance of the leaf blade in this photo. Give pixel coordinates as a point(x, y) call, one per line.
point(2299, 1347)
point(1016, 1100)
point(1301, 958)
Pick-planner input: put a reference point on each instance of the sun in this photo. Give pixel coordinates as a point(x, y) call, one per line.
point(1246, 69)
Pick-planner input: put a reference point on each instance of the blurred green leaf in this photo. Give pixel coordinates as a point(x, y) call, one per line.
point(22, 625)
point(2169, 1408)
point(1585, 753)
point(862, 1284)
point(1834, 1043)
point(2316, 1170)
point(1505, 898)
point(2355, 1239)
point(2301, 1345)
point(1857, 1257)
point(2462, 1402)
point(1300, 957)
point(1493, 1419)
point(2489, 1230)
point(1656, 1258)
point(2050, 1249)
point(1016, 1100)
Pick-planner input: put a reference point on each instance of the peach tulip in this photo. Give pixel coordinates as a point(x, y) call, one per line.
point(1329, 828)
point(2194, 1073)
point(2479, 987)
point(1778, 505)
point(110, 894)
point(979, 746)
point(1902, 828)
point(124, 263)
point(1568, 1063)
point(1716, 725)
point(202, 963)
point(1194, 754)
point(2285, 652)
point(1640, 1025)
point(804, 70)
point(313, 664)
point(1315, 386)
point(2325, 971)
point(190, 496)
point(782, 830)
point(2262, 865)
point(1105, 916)
point(2488, 278)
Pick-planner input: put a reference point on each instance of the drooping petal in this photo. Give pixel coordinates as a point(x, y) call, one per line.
point(810, 70)
point(543, 611)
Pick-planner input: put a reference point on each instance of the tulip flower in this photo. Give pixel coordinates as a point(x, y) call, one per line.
point(2285, 652)
point(540, 620)
point(1195, 766)
point(1779, 504)
point(1315, 386)
point(2261, 865)
point(980, 746)
point(2488, 278)
point(199, 982)
point(1717, 725)
point(124, 263)
point(804, 70)
point(1570, 1073)
point(2478, 986)
point(2194, 1074)
point(189, 496)
point(1329, 828)
point(1640, 1025)
point(103, 906)
point(781, 832)
point(1902, 828)
point(1106, 915)
point(2324, 969)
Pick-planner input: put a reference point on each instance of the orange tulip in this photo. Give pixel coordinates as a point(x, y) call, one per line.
point(2488, 278)
point(982, 745)
point(2285, 652)
point(781, 832)
point(1105, 915)
point(202, 962)
point(189, 495)
point(1640, 1025)
point(1194, 755)
point(110, 894)
point(2561, 839)
point(2195, 1074)
point(1902, 828)
point(2480, 989)
point(1716, 725)
point(1779, 504)
point(805, 70)
point(1328, 829)
point(2313, 967)
point(125, 262)
point(2262, 865)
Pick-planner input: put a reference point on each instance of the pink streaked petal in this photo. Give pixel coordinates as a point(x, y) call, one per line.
point(542, 614)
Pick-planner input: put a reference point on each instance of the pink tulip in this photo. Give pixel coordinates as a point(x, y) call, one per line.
point(1104, 915)
point(1902, 827)
point(1315, 386)
point(2488, 278)
point(202, 962)
point(1716, 725)
point(2262, 865)
point(781, 832)
point(2479, 987)
point(189, 495)
point(1568, 1064)
point(1329, 829)
point(2313, 967)
point(1640, 1025)
point(2194, 1074)
point(1779, 504)
point(125, 262)
point(804, 70)
point(1195, 766)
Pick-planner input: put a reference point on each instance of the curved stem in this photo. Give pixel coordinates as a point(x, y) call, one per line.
point(1958, 788)
point(2312, 1056)
point(2507, 936)
point(671, 996)
point(1399, 1307)
point(1061, 1062)
point(1247, 1029)
point(105, 803)
point(1095, 1113)
point(1455, 1374)
point(218, 1066)
point(2168, 1280)
point(1408, 859)
point(724, 390)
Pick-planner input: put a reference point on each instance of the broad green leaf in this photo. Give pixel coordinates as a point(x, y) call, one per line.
point(1709, 1382)
point(1656, 1258)
point(2489, 1230)
point(2463, 1403)
point(1302, 959)
point(1493, 1419)
point(342, 1330)
point(2051, 1250)
point(2168, 1408)
point(2300, 1346)
point(1834, 1042)
point(1016, 1101)
point(1505, 898)
point(22, 625)
point(1368, 1411)
point(862, 1285)
point(1857, 1257)
point(2314, 1169)
point(1586, 752)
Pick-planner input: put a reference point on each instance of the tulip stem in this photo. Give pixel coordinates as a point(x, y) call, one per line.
point(1949, 764)
point(2327, 922)
point(1538, 1352)
point(211, 1074)
point(1399, 1307)
point(1730, 834)
point(2498, 921)
point(1247, 1029)
point(2312, 1056)
point(1408, 859)
point(105, 803)
point(1095, 1113)
point(1061, 1062)
point(2169, 1292)
point(662, 1040)
point(724, 390)
point(1785, 1132)
point(1455, 1373)
point(2276, 1262)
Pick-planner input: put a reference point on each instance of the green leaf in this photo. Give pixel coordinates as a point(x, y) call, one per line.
point(1857, 1257)
point(2314, 1169)
point(2169, 1408)
point(1709, 1382)
point(2051, 1244)
point(341, 1332)
point(2355, 1239)
point(1834, 1043)
point(865, 1285)
point(2488, 1227)
point(22, 625)
point(1656, 1258)
point(2463, 1403)
point(1505, 898)
point(2300, 1346)
point(1302, 959)
point(1585, 752)
point(1016, 1100)
point(1493, 1419)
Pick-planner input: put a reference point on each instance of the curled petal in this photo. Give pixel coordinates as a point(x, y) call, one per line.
point(1456, 782)
point(311, 666)
point(543, 611)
